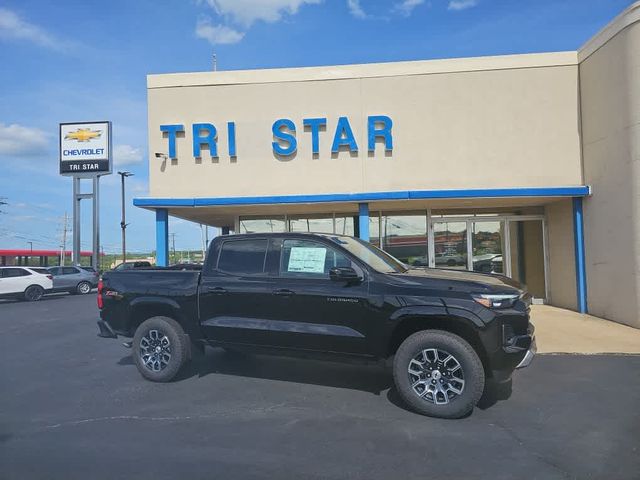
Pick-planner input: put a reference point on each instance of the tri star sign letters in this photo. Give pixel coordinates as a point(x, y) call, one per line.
point(85, 148)
point(285, 142)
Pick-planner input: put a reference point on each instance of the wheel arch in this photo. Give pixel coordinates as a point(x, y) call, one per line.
point(410, 323)
point(143, 308)
point(33, 285)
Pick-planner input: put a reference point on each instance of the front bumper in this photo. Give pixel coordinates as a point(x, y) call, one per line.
point(528, 357)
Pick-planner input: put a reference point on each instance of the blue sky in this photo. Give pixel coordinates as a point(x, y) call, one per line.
point(69, 61)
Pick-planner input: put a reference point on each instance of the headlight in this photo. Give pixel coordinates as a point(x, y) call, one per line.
point(495, 300)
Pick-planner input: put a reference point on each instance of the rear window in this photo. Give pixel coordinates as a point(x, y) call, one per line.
point(43, 271)
point(243, 257)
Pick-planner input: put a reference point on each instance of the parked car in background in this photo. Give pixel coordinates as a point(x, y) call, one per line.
point(497, 265)
point(73, 280)
point(132, 265)
point(27, 283)
point(484, 263)
point(450, 259)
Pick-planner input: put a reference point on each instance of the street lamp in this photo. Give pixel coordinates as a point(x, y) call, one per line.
point(123, 224)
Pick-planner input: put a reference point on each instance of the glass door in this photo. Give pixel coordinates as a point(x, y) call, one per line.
point(511, 245)
point(487, 243)
point(450, 244)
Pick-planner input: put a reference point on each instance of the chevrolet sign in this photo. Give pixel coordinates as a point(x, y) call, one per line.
point(85, 148)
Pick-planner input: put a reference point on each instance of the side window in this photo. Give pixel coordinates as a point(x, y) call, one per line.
point(69, 271)
point(15, 272)
point(305, 258)
point(55, 270)
point(243, 257)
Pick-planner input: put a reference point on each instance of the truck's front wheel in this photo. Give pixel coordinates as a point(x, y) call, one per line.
point(438, 374)
point(159, 348)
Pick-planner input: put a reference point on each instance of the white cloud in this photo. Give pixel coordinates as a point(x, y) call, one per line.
point(19, 141)
point(462, 4)
point(126, 155)
point(356, 9)
point(247, 12)
point(13, 27)
point(217, 34)
point(406, 6)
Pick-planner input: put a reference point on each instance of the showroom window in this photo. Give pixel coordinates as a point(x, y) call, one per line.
point(405, 237)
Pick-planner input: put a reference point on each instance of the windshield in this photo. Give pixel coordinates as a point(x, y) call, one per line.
point(377, 259)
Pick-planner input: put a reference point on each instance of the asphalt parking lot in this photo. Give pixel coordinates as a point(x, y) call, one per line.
point(74, 406)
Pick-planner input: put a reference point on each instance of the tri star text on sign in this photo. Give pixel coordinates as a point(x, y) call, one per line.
point(285, 142)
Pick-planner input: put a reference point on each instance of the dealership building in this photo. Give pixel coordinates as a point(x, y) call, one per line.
point(523, 165)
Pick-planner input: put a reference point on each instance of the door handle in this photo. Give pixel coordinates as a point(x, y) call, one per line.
point(283, 292)
point(215, 290)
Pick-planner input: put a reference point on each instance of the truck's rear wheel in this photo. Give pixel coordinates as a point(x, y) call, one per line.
point(159, 348)
point(438, 374)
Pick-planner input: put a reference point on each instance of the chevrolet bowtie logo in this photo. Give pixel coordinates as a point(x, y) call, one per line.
point(83, 135)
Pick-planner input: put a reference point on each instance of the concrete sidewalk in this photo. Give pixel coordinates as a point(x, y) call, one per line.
point(565, 331)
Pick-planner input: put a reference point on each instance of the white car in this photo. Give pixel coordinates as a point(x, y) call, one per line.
point(27, 283)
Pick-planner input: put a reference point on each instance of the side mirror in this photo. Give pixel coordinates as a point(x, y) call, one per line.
point(344, 274)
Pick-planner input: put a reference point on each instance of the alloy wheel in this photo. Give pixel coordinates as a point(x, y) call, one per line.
point(84, 288)
point(33, 294)
point(155, 350)
point(436, 376)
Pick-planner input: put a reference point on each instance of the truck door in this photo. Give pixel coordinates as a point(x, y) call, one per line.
point(316, 312)
point(236, 293)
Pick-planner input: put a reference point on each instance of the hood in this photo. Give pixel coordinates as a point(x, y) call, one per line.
point(460, 280)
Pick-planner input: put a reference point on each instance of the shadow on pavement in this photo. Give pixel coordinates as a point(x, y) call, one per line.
point(45, 298)
point(495, 392)
point(367, 378)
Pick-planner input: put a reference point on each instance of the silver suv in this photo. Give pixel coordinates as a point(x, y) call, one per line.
point(73, 280)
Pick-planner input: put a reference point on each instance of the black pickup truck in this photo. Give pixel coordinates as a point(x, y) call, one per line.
point(446, 331)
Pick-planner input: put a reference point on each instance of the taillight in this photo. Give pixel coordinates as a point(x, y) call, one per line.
point(100, 287)
point(50, 277)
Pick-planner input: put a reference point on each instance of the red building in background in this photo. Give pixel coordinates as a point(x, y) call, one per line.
point(37, 258)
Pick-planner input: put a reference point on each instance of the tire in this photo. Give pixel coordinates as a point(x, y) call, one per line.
point(83, 288)
point(164, 333)
point(453, 398)
point(33, 293)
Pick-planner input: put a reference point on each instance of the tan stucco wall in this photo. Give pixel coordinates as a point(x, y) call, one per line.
point(610, 103)
point(470, 123)
point(561, 274)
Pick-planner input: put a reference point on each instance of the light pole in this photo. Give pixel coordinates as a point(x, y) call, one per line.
point(123, 223)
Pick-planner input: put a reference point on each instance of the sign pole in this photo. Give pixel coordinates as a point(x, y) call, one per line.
point(75, 260)
point(96, 223)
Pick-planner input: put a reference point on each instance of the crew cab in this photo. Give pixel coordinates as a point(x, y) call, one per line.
point(445, 331)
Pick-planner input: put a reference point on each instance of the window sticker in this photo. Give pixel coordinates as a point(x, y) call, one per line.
point(307, 259)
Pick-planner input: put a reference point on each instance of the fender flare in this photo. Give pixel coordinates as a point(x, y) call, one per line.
point(153, 301)
point(436, 311)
